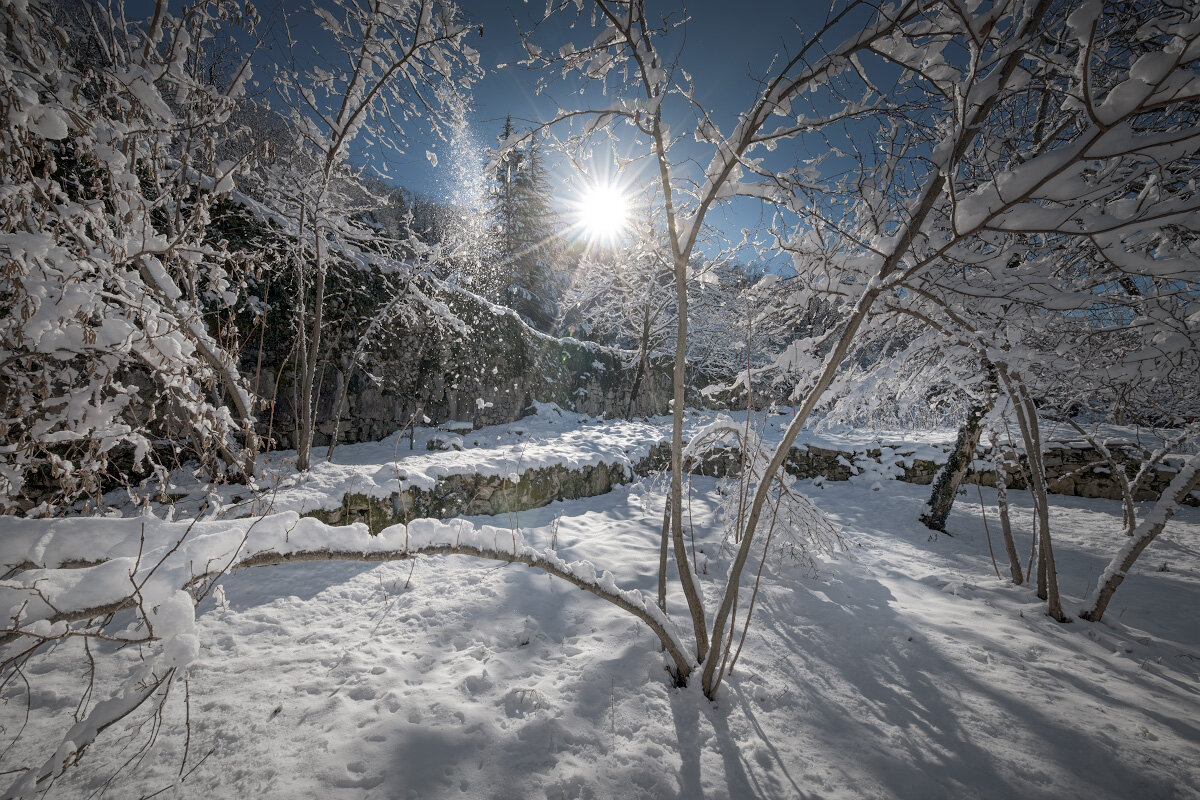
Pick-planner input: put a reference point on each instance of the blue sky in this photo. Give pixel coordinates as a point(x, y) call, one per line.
point(722, 45)
point(724, 42)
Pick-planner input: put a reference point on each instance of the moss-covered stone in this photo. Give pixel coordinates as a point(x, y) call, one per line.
point(376, 514)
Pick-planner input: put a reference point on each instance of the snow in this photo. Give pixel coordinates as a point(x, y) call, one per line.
point(905, 670)
point(553, 437)
point(376, 469)
point(549, 437)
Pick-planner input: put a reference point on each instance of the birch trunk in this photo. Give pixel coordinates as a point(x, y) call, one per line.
point(1010, 546)
point(950, 477)
point(310, 355)
point(1031, 435)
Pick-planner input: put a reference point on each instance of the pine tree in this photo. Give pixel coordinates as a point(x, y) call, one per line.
point(527, 255)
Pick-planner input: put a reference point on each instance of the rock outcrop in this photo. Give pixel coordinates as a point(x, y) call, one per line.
point(461, 359)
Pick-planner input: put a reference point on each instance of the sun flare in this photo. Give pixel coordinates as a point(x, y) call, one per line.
point(603, 212)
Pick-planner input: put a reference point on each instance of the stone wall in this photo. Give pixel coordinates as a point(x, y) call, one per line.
point(457, 495)
point(1081, 472)
point(465, 495)
point(1070, 470)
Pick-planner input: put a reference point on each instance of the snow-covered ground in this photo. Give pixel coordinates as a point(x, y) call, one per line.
point(904, 669)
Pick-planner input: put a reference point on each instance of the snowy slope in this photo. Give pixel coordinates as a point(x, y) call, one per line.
point(906, 672)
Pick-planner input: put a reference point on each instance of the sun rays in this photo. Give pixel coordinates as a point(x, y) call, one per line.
point(602, 212)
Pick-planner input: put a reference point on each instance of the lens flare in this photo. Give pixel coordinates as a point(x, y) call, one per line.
point(603, 212)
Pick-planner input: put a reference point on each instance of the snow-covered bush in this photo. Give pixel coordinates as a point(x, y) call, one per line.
point(110, 170)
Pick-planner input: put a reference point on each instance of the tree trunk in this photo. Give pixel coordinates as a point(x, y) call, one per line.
point(1030, 433)
point(1010, 546)
point(686, 570)
point(638, 374)
point(1114, 575)
point(950, 476)
point(310, 353)
point(662, 556)
point(643, 365)
point(1048, 570)
point(680, 255)
point(345, 373)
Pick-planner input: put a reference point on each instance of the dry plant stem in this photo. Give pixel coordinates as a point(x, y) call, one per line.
point(86, 697)
point(662, 555)
point(187, 724)
point(84, 733)
point(754, 595)
point(139, 754)
point(987, 531)
point(692, 528)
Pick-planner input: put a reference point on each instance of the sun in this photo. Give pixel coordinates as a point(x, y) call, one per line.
point(603, 212)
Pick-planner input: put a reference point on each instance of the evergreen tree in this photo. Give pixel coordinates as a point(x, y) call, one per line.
point(527, 254)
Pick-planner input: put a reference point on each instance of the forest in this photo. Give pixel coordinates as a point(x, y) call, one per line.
point(377, 377)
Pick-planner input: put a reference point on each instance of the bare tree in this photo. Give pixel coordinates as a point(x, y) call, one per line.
point(987, 148)
point(405, 62)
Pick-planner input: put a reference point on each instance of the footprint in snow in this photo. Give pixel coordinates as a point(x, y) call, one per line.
point(362, 693)
point(519, 703)
point(477, 684)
